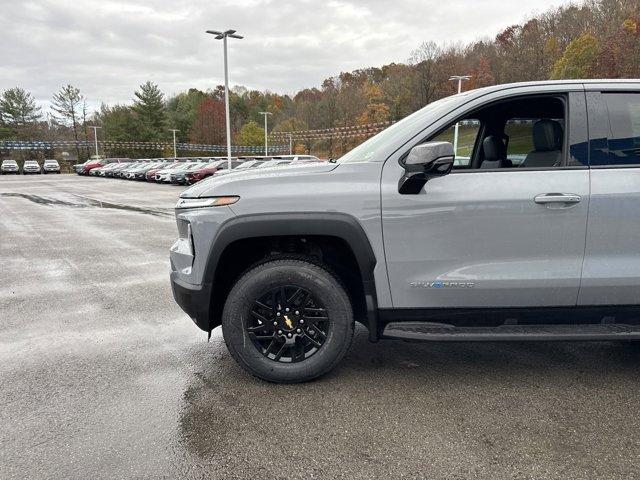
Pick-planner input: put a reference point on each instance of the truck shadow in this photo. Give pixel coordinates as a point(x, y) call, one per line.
point(476, 401)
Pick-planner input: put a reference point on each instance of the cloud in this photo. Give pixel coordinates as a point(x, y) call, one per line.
point(109, 47)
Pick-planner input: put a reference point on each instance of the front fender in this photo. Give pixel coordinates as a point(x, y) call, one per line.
point(333, 224)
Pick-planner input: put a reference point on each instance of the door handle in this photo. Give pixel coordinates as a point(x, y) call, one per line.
point(544, 198)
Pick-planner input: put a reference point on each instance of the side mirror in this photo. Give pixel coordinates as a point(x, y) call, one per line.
point(425, 161)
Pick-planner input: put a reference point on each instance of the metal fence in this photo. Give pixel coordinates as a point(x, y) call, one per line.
point(191, 147)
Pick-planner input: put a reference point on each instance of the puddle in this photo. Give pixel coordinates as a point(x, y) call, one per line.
point(87, 202)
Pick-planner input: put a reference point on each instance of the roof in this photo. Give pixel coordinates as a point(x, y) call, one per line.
point(538, 83)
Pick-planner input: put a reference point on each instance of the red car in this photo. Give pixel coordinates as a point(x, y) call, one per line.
point(201, 173)
point(88, 166)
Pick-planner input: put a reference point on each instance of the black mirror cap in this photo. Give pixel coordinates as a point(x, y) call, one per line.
point(425, 161)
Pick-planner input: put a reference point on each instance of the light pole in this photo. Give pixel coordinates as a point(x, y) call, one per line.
point(459, 79)
point(223, 36)
point(175, 154)
point(290, 144)
point(266, 115)
point(95, 138)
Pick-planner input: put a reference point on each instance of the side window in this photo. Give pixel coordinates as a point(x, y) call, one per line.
point(624, 122)
point(467, 134)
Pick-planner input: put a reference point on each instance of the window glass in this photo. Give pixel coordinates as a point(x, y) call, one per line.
point(624, 121)
point(467, 133)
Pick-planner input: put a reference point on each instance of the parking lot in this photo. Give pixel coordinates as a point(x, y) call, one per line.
point(103, 376)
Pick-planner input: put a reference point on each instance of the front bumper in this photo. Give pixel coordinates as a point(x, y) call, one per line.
point(193, 299)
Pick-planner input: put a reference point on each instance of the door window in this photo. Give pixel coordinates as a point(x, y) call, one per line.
point(524, 132)
point(624, 124)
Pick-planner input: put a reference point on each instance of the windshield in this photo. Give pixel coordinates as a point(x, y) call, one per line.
point(366, 151)
point(196, 165)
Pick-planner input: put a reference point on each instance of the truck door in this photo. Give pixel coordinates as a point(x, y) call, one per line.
point(507, 227)
point(612, 258)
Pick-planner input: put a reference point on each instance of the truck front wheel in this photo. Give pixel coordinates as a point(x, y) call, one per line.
point(288, 321)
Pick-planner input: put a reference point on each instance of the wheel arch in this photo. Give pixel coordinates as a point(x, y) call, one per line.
point(263, 227)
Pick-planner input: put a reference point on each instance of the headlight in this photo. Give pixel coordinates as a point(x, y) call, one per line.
point(184, 203)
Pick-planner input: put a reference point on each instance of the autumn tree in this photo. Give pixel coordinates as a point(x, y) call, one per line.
point(579, 59)
point(251, 134)
point(209, 124)
point(376, 110)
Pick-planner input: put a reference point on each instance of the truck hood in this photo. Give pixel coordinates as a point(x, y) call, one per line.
point(212, 185)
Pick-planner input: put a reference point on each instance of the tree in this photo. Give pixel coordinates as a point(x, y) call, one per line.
point(150, 109)
point(579, 58)
point(375, 111)
point(251, 134)
point(18, 112)
point(120, 124)
point(70, 106)
point(208, 126)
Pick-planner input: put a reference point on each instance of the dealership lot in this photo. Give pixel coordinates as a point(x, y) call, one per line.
point(103, 376)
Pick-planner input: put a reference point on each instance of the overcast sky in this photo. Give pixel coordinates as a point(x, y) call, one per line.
point(109, 47)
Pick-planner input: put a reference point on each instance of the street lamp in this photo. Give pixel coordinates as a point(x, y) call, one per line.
point(459, 79)
point(223, 36)
point(175, 154)
point(95, 138)
point(290, 144)
point(266, 115)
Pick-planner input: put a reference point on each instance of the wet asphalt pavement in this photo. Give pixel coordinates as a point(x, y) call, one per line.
point(103, 376)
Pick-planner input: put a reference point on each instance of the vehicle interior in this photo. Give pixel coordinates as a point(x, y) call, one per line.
point(520, 133)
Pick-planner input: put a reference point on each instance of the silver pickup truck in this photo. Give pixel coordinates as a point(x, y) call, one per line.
point(531, 234)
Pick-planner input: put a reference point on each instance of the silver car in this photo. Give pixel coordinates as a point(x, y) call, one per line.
point(532, 234)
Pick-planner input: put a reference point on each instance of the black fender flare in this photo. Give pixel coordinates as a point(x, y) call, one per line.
point(333, 224)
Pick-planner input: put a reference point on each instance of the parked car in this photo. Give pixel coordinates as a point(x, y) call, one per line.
point(89, 165)
point(151, 174)
point(179, 176)
point(102, 171)
point(209, 169)
point(141, 172)
point(164, 176)
point(50, 165)
point(79, 166)
point(9, 166)
point(490, 249)
point(123, 172)
point(31, 166)
point(117, 169)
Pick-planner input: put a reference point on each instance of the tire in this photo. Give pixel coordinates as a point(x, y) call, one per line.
point(317, 284)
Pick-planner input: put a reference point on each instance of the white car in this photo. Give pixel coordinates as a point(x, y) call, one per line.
point(30, 166)
point(9, 166)
point(50, 166)
point(164, 176)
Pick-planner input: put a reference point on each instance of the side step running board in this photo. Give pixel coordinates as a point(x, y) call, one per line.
point(440, 332)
